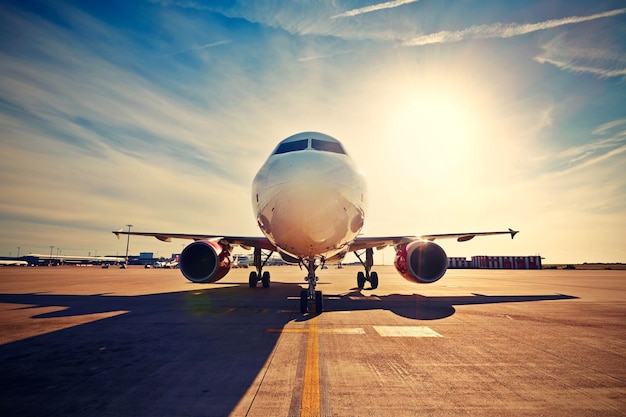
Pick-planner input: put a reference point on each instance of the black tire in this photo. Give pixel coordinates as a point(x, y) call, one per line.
point(360, 280)
point(374, 280)
point(254, 278)
point(319, 302)
point(266, 279)
point(304, 301)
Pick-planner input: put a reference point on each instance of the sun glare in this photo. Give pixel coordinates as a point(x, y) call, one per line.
point(428, 127)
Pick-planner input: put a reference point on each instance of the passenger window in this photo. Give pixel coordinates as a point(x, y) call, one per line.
point(322, 145)
point(298, 145)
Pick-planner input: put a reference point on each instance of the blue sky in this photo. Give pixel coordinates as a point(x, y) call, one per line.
point(463, 116)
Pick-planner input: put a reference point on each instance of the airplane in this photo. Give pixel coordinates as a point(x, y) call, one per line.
point(77, 258)
point(240, 261)
point(309, 200)
point(12, 262)
point(172, 263)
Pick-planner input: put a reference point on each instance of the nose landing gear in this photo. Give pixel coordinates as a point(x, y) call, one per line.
point(310, 297)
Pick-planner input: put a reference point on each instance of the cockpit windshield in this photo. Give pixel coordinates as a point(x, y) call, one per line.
point(323, 145)
point(298, 145)
point(315, 144)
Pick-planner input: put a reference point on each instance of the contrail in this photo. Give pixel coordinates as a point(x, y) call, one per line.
point(500, 30)
point(373, 8)
point(208, 45)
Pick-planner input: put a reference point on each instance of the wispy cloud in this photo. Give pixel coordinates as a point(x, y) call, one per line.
point(95, 143)
point(565, 65)
point(501, 30)
point(316, 57)
point(593, 60)
point(612, 145)
point(609, 126)
point(373, 8)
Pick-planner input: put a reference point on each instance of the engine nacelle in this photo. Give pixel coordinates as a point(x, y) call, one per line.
point(204, 261)
point(421, 261)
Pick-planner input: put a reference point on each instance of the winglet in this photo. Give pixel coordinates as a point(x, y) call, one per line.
point(513, 232)
point(117, 233)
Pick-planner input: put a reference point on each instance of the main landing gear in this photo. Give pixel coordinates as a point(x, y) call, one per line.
point(259, 275)
point(310, 297)
point(372, 277)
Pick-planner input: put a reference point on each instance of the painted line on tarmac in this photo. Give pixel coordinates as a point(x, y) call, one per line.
point(310, 406)
point(338, 330)
point(364, 298)
point(406, 331)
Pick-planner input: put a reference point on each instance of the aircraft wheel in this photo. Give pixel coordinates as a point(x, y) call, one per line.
point(319, 302)
point(253, 279)
point(266, 279)
point(360, 280)
point(374, 280)
point(304, 301)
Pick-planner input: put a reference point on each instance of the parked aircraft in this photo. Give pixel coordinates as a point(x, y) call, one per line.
point(12, 262)
point(170, 263)
point(309, 200)
point(76, 258)
point(240, 261)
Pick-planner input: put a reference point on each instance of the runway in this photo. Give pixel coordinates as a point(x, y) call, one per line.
point(141, 342)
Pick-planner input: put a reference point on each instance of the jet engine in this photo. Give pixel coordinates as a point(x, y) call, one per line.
point(421, 261)
point(204, 261)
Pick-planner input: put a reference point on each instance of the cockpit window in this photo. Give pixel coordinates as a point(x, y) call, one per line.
point(322, 145)
point(297, 145)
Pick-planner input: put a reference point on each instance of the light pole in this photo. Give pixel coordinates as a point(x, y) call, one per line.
point(18, 251)
point(51, 247)
point(127, 242)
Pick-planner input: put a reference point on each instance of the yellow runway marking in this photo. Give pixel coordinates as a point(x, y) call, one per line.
point(311, 389)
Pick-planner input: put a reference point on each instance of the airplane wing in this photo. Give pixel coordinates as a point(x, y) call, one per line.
point(245, 242)
point(380, 242)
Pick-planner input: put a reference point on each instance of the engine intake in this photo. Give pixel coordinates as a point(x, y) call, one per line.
point(204, 261)
point(421, 261)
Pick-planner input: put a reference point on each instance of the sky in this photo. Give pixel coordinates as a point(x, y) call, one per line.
point(462, 115)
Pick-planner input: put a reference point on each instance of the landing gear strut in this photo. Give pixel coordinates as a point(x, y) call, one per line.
point(259, 275)
point(372, 277)
point(310, 297)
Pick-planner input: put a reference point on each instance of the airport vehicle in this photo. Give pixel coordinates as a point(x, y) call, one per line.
point(310, 200)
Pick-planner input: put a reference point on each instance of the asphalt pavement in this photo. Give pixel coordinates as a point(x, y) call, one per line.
point(77, 341)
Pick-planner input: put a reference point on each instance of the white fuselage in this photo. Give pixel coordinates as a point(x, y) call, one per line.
point(310, 203)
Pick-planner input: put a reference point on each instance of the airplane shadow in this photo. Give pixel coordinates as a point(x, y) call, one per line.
point(192, 353)
point(420, 307)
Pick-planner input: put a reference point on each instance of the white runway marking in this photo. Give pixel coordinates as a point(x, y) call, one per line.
point(406, 331)
point(364, 298)
point(342, 330)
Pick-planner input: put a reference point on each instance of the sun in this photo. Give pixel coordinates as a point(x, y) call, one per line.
point(428, 127)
